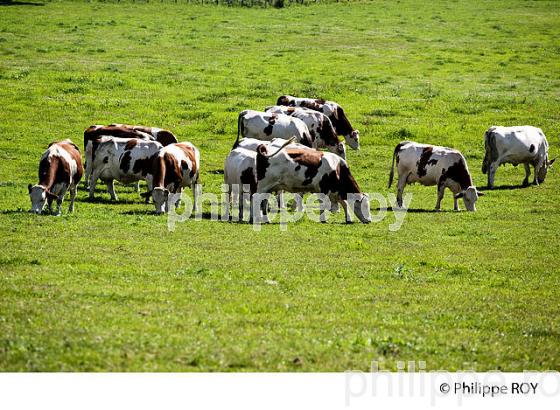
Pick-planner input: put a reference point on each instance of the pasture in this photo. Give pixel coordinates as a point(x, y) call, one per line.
point(109, 288)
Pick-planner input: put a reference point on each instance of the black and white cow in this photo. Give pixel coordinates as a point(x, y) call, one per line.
point(320, 127)
point(176, 166)
point(60, 169)
point(516, 145)
point(123, 159)
point(332, 110)
point(432, 165)
point(266, 126)
point(308, 170)
point(240, 171)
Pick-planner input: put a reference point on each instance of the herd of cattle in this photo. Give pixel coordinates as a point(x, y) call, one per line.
point(276, 150)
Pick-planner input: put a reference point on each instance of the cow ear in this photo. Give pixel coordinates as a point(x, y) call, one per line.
point(551, 162)
point(29, 188)
point(459, 195)
point(145, 194)
point(479, 193)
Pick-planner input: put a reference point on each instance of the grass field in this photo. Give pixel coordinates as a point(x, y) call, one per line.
point(110, 288)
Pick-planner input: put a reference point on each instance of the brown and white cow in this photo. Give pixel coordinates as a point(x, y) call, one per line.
point(123, 159)
point(266, 126)
point(60, 170)
point(433, 165)
point(320, 127)
point(332, 110)
point(94, 134)
point(176, 166)
point(309, 170)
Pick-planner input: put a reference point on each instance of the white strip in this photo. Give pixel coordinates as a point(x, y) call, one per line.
point(352, 390)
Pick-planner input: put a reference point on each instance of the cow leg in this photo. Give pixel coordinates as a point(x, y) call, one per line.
point(400, 188)
point(322, 213)
point(111, 189)
point(537, 171)
point(59, 200)
point(440, 192)
point(527, 174)
point(137, 186)
point(92, 183)
point(298, 198)
point(492, 172)
point(193, 187)
point(73, 189)
point(347, 213)
point(455, 204)
point(280, 198)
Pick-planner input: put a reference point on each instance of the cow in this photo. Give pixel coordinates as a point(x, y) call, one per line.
point(516, 145)
point(94, 134)
point(176, 166)
point(163, 136)
point(60, 169)
point(126, 160)
point(266, 126)
point(240, 172)
point(307, 170)
point(432, 165)
point(332, 110)
point(320, 127)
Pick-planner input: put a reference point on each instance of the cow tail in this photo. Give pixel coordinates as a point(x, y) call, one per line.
point(239, 129)
point(392, 173)
point(262, 151)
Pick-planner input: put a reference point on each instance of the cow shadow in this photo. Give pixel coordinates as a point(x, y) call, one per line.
point(19, 3)
point(415, 210)
point(503, 188)
point(140, 212)
point(109, 201)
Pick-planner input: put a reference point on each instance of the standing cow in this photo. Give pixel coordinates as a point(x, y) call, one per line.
point(320, 127)
point(308, 170)
point(516, 145)
point(60, 169)
point(265, 126)
point(433, 165)
point(332, 110)
point(95, 134)
point(126, 160)
point(176, 166)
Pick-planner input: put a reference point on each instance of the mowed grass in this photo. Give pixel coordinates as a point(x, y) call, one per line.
point(111, 288)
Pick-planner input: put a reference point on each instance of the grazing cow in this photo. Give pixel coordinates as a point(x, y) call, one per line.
point(60, 169)
point(332, 110)
point(176, 166)
point(123, 159)
point(308, 170)
point(94, 134)
point(516, 145)
point(266, 126)
point(320, 127)
point(433, 165)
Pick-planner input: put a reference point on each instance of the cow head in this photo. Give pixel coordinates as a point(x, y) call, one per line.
point(39, 195)
point(160, 196)
point(361, 208)
point(354, 139)
point(339, 149)
point(470, 196)
point(544, 170)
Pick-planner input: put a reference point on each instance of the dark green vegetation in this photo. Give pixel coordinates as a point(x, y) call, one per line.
point(109, 288)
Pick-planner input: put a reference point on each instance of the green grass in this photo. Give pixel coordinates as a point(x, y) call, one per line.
point(110, 288)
